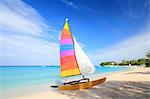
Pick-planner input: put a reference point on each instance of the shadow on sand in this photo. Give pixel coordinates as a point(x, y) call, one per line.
point(139, 72)
point(113, 90)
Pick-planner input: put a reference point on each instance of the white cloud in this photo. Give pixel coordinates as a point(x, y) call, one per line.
point(25, 39)
point(71, 4)
point(28, 50)
point(20, 17)
point(131, 48)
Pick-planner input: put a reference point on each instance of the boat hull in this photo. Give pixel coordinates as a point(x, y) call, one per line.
point(83, 85)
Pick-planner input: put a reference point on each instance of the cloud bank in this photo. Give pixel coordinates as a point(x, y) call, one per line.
point(25, 38)
point(131, 48)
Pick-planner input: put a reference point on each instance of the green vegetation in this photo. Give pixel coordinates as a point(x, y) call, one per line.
point(141, 61)
point(108, 63)
point(147, 61)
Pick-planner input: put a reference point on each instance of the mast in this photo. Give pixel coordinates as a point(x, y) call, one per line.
point(68, 62)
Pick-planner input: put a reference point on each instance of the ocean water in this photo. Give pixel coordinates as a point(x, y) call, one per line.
point(12, 77)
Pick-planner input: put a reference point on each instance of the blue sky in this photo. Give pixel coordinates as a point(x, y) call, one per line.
point(106, 29)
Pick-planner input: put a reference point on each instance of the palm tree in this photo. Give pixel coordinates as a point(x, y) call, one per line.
point(148, 54)
point(148, 59)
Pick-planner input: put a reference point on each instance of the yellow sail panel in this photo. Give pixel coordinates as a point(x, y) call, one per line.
point(70, 72)
point(68, 62)
point(66, 26)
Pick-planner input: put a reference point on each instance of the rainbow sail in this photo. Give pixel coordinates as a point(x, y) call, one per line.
point(68, 62)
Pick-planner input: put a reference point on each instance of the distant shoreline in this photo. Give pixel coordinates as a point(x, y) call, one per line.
point(123, 65)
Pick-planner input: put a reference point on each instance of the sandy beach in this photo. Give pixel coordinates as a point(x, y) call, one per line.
point(133, 84)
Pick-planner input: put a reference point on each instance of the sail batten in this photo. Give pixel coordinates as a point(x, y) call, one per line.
point(68, 62)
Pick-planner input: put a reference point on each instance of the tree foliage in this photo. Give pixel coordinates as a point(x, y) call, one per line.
point(141, 61)
point(148, 54)
point(108, 63)
point(147, 61)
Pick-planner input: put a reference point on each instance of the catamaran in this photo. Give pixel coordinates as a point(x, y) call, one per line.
point(73, 61)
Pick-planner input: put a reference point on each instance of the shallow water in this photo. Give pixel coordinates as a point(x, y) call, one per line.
point(18, 76)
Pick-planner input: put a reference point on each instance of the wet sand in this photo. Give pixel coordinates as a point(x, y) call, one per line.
point(133, 84)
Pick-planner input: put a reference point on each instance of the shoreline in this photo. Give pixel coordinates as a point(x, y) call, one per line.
point(91, 76)
point(125, 84)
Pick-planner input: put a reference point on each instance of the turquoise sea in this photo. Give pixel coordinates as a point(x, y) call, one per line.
point(17, 76)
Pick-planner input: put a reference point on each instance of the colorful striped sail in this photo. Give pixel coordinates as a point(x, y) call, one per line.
point(68, 62)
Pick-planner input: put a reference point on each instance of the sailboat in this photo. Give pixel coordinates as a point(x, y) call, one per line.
point(73, 62)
